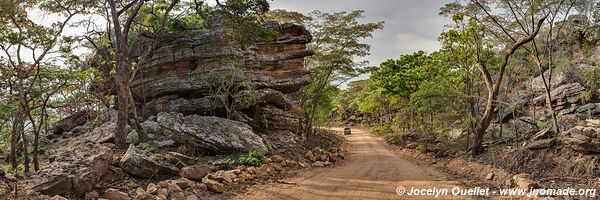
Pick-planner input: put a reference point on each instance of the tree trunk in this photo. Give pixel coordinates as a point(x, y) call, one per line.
point(17, 128)
point(123, 75)
point(484, 123)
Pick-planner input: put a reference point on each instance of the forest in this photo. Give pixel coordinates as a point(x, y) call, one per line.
point(237, 99)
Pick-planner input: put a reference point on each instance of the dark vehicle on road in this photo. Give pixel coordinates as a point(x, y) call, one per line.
point(347, 131)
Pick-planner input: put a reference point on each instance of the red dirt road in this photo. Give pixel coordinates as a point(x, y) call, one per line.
point(371, 171)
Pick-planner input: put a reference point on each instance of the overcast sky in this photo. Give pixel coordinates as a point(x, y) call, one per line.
point(410, 25)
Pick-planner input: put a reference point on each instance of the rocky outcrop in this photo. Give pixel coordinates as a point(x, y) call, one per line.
point(144, 165)
point(181, 75)
point(564, 95)
point(583, 139)
point(73, 171)
point(68, 123)
point(210, 134)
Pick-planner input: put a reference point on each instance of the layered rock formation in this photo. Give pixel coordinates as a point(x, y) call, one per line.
point(204, 75)
point(184, 73)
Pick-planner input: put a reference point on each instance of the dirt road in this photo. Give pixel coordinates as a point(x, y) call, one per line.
point(371, 171)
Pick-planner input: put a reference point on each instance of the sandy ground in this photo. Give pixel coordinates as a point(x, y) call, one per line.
point(370, 171)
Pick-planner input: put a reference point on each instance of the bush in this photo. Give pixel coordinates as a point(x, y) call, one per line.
point(422, 148)
point(253, 158)
point(541, 125)
point(383, 129)
point(320, 151)
point(590, 77)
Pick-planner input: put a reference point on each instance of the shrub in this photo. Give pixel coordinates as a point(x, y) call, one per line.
point(541, 124)
point(590, 77)
point(422, 148)
point(383, 129)
point(253, 158)
point(320, 151)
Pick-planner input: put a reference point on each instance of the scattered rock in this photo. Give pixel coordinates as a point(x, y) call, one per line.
point(183, 183)
point(133, 137)
point(222, 176)
point(319, 164)
point(58, 197)
point(540, 144)
point(523, 181)
point(213, 185)
point(584, 139)
point(72, 121)
point(192, 197)
point(333, 157)
point(91, 195)
point(74, 171)
point(277, 158)
point(195, 172)
point(143, 165)
point(209, 133)
point(562, 95)
point(490, 176)
point(174, 188)
point(166, 143)
point(114, 194)
point(152, 189)
point(150, 127)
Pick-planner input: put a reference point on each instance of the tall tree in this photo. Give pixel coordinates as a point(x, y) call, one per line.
point(21, 36)
point(121, 19)
point(500, 29)
point(337, 43)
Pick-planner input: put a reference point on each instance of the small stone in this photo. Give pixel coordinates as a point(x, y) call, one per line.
point(163, 191)
point(58, 197)
point(223, 176)
point(319, 164)
point(242, 167)
point(192, 197)
point(251, 170)
point(93, 195)
point(291, 163)
point(133, 137)
point(178, 196)
point(213, 185)
point(140, 191)
point(166, 143)
point(165, 183)
point(183, 183)
point(162, 196)
point(174, 188)
point(197, 188)
point(333, 157)
point(490, 176)
point(310, 156)
point(277, 158)
point(303, 164)
point(195, 172)
point(114, 194)
point(152, 189)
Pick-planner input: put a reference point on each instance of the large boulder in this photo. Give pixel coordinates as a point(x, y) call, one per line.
point(72, 121)
point(73, 170)
point(536, 84)
point(563, 95)
point(144, 165)
point(583, 139)
point(180, 75)
point(210, 134)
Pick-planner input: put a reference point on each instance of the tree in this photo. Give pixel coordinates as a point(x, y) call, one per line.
point(121, 19)
point(510, 39)
point(336, 44)
point(20, 35)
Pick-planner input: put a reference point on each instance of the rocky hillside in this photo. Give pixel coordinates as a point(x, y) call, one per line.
point(182, 118)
